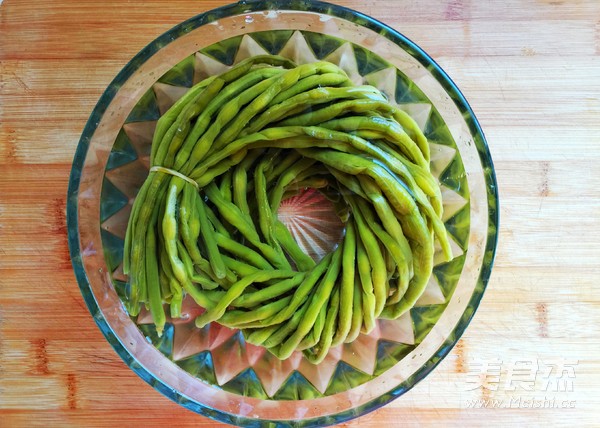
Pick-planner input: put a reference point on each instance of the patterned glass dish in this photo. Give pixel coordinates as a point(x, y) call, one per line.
point(212, 370)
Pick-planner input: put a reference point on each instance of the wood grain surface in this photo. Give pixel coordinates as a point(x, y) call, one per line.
point(531, 71)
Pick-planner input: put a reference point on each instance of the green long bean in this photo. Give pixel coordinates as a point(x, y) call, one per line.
point(244, 141)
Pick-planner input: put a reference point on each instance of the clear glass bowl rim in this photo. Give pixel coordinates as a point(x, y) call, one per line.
point(284, 5)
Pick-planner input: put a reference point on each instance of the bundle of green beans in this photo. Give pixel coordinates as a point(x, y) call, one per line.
point(225, 155)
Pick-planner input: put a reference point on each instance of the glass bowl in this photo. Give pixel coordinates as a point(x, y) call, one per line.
point(212, 371)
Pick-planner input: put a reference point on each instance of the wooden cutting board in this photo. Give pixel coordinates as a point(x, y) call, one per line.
point(531, 71)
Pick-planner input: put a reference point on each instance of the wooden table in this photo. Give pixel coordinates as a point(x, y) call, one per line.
point(531, 71)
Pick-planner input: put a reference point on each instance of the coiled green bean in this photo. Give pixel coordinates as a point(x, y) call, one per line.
point(246, 140)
